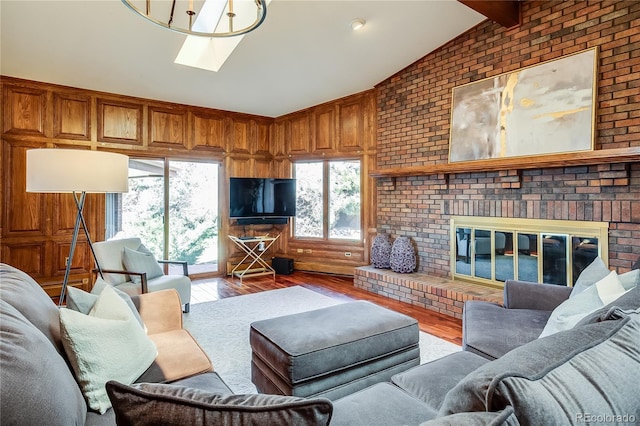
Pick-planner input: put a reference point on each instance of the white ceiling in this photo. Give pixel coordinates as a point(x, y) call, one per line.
point(304, 54)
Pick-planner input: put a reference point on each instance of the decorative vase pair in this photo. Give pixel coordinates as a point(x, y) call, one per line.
point(399, 256)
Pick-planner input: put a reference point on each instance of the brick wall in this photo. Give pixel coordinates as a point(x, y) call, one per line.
point(413, 130)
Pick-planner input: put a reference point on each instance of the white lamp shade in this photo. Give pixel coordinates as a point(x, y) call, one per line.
point(69, 170)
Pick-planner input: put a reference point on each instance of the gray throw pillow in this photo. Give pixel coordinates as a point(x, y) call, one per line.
point(81, 301)
point(152, 404)
point(590, 275)
point(630, 279)
point(627, 303)
point(478, 390)
point(594, 297)
point(141, 260)
point(601, 379)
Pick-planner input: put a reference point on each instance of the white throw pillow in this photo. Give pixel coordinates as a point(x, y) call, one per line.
point(572, 310)
point(107, 344)
point(593, 273)
point(81, 301)
point(141, 260)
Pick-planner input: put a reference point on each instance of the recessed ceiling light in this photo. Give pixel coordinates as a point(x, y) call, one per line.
point(357, 24)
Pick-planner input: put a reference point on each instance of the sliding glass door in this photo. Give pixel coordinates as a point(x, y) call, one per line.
point(172, 206)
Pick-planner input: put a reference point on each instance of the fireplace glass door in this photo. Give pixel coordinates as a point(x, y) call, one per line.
point(487, 251)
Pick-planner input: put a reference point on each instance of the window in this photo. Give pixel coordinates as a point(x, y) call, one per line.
point(328, 200)
point(180, 223)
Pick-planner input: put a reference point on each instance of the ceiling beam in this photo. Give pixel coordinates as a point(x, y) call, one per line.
point(504, 12)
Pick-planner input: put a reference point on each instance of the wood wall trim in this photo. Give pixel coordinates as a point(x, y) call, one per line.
point(584, 158)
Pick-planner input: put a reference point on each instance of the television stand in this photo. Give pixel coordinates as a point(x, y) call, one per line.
point(254, 248)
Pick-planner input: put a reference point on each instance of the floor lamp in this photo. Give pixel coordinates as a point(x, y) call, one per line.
point(78, 172)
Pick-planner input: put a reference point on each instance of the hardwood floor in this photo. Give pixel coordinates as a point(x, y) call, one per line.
point(338, 287)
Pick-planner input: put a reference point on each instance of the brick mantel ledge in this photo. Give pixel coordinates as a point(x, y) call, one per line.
point(434, 293)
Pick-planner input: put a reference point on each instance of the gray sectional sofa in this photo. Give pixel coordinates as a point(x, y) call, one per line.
point(587, 374)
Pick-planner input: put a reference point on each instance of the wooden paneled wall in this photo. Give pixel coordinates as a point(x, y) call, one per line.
point(344, 129)
point(36, 229)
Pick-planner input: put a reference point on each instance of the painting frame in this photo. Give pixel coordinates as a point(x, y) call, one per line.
point(544, 109)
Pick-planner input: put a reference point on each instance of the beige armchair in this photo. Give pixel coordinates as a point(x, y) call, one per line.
point(144, 277)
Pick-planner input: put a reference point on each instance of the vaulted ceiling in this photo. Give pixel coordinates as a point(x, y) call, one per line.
point(304, 54)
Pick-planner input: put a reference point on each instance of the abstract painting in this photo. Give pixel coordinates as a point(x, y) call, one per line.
point(543, 109)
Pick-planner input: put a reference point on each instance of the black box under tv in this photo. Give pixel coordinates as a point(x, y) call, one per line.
point(282, 265)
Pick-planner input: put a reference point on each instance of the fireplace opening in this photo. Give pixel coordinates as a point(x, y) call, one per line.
point(491, 250)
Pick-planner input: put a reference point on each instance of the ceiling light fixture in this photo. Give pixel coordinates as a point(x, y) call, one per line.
point(357, 24)
point(213, 18)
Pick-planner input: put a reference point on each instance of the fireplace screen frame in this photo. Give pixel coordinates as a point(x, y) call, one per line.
point(541, 250)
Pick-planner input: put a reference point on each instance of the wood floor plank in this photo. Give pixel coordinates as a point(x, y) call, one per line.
point(338, 287)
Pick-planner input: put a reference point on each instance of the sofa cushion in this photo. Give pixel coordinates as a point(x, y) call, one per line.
point(480, 390)
point(37, 386)
point(141, 260)
point(430, 382)
point(82, 301)
point(100, 346)
point(593, 273)
point(572, 310)
point(506, 417)
point(152, 404)
point(380, 404)
point(21, 291)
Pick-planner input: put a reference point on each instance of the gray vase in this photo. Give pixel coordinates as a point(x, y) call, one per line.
point(381, 252)
point(403, 256)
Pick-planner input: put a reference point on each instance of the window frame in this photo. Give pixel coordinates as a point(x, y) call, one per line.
point(326, 183)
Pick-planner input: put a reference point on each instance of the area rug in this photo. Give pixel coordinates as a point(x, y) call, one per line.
point(222, 329)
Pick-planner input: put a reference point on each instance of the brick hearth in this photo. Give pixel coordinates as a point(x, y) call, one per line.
point(429, 292)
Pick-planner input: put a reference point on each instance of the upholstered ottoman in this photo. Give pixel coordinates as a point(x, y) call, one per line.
point(332, 352)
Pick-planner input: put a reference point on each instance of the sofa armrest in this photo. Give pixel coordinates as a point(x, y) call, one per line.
point(160, 310)
point(528, 295)
point(184, 263)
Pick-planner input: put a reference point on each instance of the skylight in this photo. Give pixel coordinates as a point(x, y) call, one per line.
point(211, 53)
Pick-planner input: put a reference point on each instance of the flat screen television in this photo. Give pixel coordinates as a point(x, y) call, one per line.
point(262, 198)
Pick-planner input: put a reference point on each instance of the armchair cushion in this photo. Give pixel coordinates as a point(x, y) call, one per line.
point(100, 346)
point(141, 260)
point(153, 404)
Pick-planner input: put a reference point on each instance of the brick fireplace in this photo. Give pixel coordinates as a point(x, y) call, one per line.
point(413, 114)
